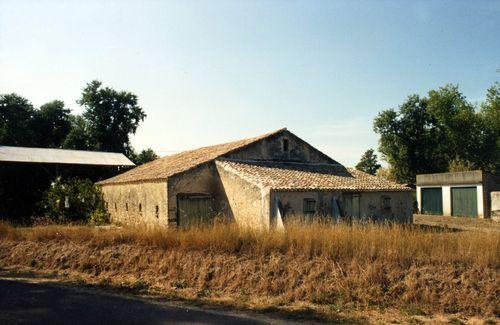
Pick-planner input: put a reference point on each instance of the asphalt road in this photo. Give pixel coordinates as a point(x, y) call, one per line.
point(24, 302)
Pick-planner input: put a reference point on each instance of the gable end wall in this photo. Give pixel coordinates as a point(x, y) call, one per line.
point(271, 148)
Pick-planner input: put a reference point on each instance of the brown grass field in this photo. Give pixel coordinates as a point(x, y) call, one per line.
point(361, 272)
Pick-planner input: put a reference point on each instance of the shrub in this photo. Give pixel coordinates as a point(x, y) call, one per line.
point(74, 199)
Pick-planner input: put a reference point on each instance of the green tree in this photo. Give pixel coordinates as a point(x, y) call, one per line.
point(427, 134)
point(79, 136)
point(112, 116)
point(146, 155)
point(387, 173)
point(74, 199)
point(51, 124)
point(456, 122)
point(368, 162)
point(16, 117)
point(405, 138)
point(488, 149)
point(460, 165)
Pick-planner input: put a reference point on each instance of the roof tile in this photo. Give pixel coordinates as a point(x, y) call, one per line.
point(168, 166)
point(300, 177)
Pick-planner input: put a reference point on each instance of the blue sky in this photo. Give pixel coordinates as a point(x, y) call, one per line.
point(213, 71)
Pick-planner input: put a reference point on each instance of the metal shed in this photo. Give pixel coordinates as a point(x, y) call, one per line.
point(26, 172)
point(62, 156)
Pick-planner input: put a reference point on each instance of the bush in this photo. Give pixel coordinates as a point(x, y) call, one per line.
point(74, 199)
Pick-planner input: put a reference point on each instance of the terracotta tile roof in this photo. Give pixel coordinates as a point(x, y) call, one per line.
point(168, 166)
point(300, 177)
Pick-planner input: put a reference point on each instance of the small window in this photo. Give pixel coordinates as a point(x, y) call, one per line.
point(309, 206)
point(285, 145)
point(140, 207)
point(126, 206)
point(386, 202)
point(157, 211)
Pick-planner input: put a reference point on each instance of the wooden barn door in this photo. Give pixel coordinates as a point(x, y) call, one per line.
point(464, 201)
point(194, 210)
point(432, 200)
point(351, 205)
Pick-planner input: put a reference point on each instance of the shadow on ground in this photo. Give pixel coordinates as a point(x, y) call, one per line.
point(53, 303)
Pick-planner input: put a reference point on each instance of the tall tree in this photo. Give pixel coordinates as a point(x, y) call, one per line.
point(405, 138)
point(146, 155)
point(16, 116)
point(455, 121)
point(79, 136)
point(488, 149)
point(51, 124)
point(368, 162)
point(427, 134)
point(387, 173)
point(112, 115)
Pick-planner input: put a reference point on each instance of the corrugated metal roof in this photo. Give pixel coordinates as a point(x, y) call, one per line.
point(62, 156)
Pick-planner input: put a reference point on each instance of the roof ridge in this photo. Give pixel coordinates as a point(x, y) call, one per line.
point(227, 167)
point(290, 162)
point(252, 139)
point(204, 155)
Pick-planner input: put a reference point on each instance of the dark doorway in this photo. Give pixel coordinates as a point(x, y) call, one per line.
point(194, 209)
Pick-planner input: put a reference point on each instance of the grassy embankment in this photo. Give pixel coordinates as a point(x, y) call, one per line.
point(335, 267)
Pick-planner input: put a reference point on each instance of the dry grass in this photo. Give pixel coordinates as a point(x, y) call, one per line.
point(341, 266)
point(458, 223)
point(394, 243)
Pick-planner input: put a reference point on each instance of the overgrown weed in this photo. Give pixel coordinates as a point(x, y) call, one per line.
point(362, 242)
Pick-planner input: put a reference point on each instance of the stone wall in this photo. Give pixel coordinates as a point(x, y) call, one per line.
point(201, 180)
point(401, 206)
point(273, 149)
point(370, 203)
point(249, 204)
point(495, 205)
point(292, 202)
point(136, 204)
point(491, 183)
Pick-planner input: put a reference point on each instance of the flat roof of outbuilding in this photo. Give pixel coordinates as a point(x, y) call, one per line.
point(62, 156)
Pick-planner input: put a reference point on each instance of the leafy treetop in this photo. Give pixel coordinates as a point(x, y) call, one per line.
point(368, 162)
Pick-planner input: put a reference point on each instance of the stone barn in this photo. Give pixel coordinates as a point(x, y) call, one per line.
point(258, 182)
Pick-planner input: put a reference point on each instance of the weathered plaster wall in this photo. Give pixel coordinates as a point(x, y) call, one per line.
point(491, 183)
point(123, 202)
point(201, 180)
point(249, 204)
point(446, 199)
point(495, 205)
point(371, 204)
point(272, 149)
point(292, 202)
point(454, 178)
